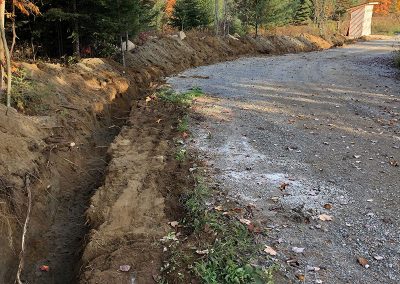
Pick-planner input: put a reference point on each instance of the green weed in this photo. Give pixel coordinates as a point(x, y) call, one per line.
point(183, 125)
point(180, 155)
point(26, 96)
point(232, 250)
point(182, 99)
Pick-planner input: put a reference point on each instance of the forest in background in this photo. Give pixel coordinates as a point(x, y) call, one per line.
point(95, 28)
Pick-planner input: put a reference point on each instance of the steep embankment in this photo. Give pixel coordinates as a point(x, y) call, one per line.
point(75, 114)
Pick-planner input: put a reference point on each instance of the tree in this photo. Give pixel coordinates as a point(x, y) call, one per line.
point(189, 14)
point(384, 7)
point(26, 7)
point(303, 12)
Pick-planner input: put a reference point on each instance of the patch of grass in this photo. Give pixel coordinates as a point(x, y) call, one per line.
point(386, 25)
point(180, 155)
point(182, 99)
point(26, 96)
point(229, 245)
point(183, 125)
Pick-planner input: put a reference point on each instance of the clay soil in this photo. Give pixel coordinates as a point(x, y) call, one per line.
point(105, 183)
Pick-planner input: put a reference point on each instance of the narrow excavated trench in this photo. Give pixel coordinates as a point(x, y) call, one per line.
point(59, 224)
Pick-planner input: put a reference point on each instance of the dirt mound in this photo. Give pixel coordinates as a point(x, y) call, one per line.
point(170, 55)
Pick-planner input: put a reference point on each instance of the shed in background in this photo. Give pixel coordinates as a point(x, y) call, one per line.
point(361, 20)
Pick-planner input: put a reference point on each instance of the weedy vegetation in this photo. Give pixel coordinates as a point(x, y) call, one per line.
point(183, 99)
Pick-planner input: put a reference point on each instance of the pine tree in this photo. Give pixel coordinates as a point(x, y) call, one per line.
point(189, 14)
point(303, 12)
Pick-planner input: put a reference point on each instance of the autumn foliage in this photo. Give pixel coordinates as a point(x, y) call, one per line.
point(169, 7)
point(384, 7)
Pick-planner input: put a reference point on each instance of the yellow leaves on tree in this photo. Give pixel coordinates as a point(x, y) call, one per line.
point(384, 7)
point(26, 7)
point(169, 7)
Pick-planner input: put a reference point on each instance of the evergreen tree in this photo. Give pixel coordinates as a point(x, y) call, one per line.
point(189, 14)
point(303, 12)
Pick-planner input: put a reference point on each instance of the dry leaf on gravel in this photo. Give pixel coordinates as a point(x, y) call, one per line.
point(328, 206)
point(394, 163)
point(148, 99)
point(124, 268)
point(363, 261)
point(174, 224)
point(44, 268)
point(245, 221)
point(270, 250)
point(283, 186)
point(298, 250)
point(325, 217)
point(202, 252)
point(219, 208)
point(301, 277)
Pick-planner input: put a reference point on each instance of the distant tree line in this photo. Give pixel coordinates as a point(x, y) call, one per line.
point(97, 27)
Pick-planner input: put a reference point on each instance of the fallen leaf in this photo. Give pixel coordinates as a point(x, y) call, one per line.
point(174, 224)
point(254, 229)
point(125, 268)
point(202, 252)
point(270, 250)
point(378, 257)
point(298, 250)
point(301, 277)
point(159, 120)
point(325, 217)
point(328, 206)
point(185, 135)
point(45, 268)
point(362, 261)
point(219, 208)
point(283, 186)
point(245, 221)
point(238, 210)
point(148, 99)
point(393, 163)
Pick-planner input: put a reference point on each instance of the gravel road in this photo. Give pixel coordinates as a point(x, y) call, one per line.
point(302, 135)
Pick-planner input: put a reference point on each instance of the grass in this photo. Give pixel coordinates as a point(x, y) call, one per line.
point(26, 96)
point(229, 246)
point(180, 155)
point(182, 99)
point(386, 25)
point(183, 125)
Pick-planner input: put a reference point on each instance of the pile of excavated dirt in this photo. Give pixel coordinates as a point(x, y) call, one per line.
point(129, 190)
point(170, 55)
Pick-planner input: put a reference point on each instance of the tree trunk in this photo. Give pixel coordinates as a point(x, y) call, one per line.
point(225, 17)
point(127, 39)
point(14, 33)
point(216, 17)
point(76, 32)
point(6, 53)
point(2, 61)
point(122, 52)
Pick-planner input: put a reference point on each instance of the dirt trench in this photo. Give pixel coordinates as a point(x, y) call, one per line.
point(102, 160)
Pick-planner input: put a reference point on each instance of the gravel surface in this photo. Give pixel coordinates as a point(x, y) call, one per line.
point(307, 134)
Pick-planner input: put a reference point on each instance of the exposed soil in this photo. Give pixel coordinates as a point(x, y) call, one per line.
point(65, 147)
point(307, 134)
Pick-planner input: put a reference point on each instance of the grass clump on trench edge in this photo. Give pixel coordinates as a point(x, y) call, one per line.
point(207, 246)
